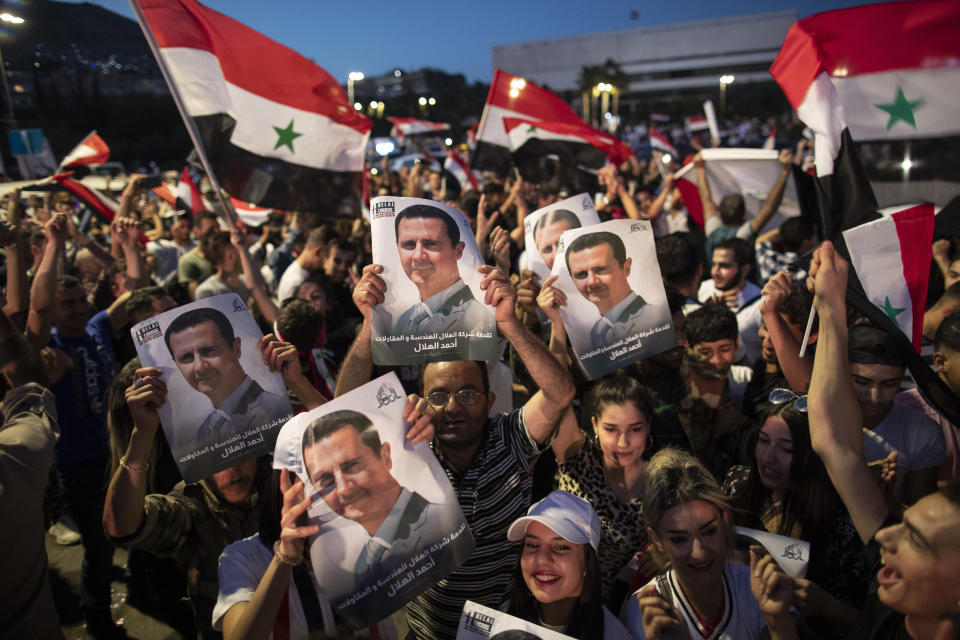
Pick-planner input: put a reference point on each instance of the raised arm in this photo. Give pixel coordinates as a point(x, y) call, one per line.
point(281, 357)
point(254, 618)
point(556, 389)
point(44, 286)
point(775, 196)
point(835, 417)
point(550, 300)
point(656, 207)
point(253, 277)
point(795, 369)
point(357, 367)
point(123, 510)
point(17, 300)
point(703, 186)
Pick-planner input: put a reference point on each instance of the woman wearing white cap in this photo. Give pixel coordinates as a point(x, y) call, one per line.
point(702, 595)
point(557, 585)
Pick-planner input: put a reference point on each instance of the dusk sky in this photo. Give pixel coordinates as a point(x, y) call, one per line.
point(456, 36)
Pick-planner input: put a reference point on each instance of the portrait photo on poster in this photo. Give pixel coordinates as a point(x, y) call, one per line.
point(223, 404)
point(433, 307)
point(390, 522)
point(478, 622)
point(542, 230)
point(616, 308)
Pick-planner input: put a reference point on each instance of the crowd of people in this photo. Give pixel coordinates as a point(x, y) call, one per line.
point(600, 509)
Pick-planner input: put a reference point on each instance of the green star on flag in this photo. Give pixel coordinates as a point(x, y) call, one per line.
point(901, 109)
point(286, 136)
point(891, 311)
point(532, 129)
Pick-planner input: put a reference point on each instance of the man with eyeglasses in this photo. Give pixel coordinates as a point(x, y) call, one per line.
point(489, 461)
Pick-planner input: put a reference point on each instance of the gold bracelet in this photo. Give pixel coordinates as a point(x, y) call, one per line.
point(283, 559)
point(123, 463)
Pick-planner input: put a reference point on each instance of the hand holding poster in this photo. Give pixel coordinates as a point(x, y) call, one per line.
point(223, 404)
point(792, 554)
point(615, 309)
point(433, 307)
point(478, 622)
point(543, 227)
point(381, 542)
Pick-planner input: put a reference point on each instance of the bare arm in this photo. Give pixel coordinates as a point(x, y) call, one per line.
point(15, 247)
point(775, 195)
point(517, 234)
point(550, 300)
point(44, 286)
point(703, 186)
point(656, 207)
point(795, 369)
point(253, 277)
point(835, 417)
point(281, 357)
point(357, 367)
point(570, 437)
point(556, 389)
point(123, 510)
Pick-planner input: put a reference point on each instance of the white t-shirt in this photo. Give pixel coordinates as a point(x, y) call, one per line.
point(749, 293)
point(741, 619)
point(918, 440)
point(290, 280)
point(242, 565)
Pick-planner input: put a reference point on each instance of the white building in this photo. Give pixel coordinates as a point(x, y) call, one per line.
point(668, 59)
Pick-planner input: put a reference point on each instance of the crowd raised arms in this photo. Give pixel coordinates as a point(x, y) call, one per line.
point(626, 502)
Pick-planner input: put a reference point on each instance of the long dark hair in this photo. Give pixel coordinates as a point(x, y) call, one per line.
point(810, 501)
point(587, 619)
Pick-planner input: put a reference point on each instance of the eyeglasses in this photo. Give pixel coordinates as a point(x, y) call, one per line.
point(465, 397)
point(783, 396)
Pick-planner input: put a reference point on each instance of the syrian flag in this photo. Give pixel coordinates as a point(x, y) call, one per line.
point(771, 141)
point(91, 150)
point(575, 145)
point(748, 172)
point(250, 214)
point(100, 203)
point(459, 169)
point(276, 128)
point(877, 72)
point(189, 194)
point(892, 259)
point(412, 126)
point(696, 123)
point(659, 141)
point(514, 97)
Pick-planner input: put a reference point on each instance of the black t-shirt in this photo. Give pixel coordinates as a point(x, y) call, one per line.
point(877, 621)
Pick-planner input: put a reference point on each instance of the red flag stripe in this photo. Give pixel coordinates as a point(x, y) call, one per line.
point(249, 59)
point(529, 99)
point(92, 197)
point(919, 34)
point(915, 231)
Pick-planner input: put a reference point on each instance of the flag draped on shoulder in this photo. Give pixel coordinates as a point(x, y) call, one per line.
point(892, 260)
point(875, 72)
point(91, 150)
point(275, 127)
point(411, 127)
point(511, 96)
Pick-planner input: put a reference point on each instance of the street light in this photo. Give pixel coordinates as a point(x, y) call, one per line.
point(724, 81)
point(352, 77)
point(12, 19)
point(432, 101)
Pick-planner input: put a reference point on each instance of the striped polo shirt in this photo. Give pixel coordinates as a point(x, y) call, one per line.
point(494, 491)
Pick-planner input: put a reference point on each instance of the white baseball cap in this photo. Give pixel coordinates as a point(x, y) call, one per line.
point(569, 516)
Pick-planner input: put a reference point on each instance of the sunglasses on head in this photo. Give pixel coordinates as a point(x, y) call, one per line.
point(783, 396)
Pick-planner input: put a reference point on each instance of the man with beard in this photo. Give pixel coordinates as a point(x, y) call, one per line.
point(489, 461)
point(731, 262)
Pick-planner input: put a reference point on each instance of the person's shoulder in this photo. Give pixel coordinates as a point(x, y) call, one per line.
point(903, 415)
point(248, 551)
point(613, 629)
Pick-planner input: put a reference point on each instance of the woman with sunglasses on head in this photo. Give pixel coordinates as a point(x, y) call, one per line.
point(785, 490)
point(702, 594)
point(557, 583)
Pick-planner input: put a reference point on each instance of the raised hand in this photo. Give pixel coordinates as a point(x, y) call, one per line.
point(527, 291)
point(771, 586)
point(280, 357)
point(370, 290)
point(418, 415)
point(294, 506)
point(500, 293)
point(551, 299)
point(145, 397)
point(777, 288)
point(660, 618)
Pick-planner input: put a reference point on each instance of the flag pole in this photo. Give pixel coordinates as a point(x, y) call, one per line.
point(806, 333)
point(228, 211)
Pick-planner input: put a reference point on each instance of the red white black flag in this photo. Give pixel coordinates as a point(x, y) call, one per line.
point(91, 150)
point(276, 128)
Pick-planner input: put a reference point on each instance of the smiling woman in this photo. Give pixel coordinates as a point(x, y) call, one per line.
point(702, 594)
